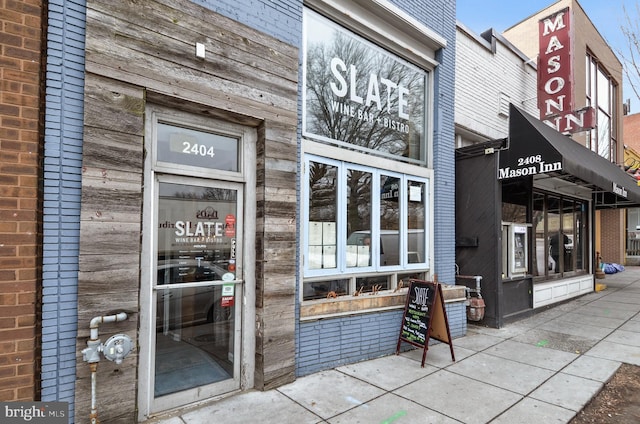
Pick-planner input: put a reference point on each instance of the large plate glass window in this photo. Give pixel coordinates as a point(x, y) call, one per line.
point(360, 96)
point(560, 232)
point(342, 234)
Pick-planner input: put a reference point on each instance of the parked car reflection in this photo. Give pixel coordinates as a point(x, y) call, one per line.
point(188, 306)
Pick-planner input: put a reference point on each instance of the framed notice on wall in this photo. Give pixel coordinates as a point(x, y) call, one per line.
point(425, 317)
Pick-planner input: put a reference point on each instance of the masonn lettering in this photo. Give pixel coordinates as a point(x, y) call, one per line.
point(573, 121)
point(553, 46)
point(554, 68)
point(553, 25)
point(377, 88)
point(514, 173)
point(555, 76)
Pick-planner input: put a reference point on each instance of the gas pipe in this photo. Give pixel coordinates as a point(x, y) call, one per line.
point(475, 304)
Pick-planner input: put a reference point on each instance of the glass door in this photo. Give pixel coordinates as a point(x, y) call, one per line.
point(196, 292)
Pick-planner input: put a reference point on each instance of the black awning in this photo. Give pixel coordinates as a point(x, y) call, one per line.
point(534, 148)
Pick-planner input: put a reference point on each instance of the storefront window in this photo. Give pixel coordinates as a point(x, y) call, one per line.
point(554, 237)
point(568, 233)
point(579, 240)
point(633, 232)
point(325, 289)
point(322, 215)
point(540, 246)
point(339, 208)
point(365, 148)
point(560, 233)
point(416, 221)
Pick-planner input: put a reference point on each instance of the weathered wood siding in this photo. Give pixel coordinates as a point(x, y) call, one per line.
point(110, 223)
point(140, 50)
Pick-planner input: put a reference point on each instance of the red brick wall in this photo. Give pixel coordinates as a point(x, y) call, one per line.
point(631, 127)
point(20, 201)
point(612, 236)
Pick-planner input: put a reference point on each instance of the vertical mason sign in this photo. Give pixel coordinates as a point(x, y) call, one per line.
point(360, 96)
point(555, 76)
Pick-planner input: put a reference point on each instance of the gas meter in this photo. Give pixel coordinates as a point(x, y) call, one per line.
point(117, 347)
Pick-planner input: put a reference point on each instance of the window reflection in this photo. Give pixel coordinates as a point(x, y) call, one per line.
point(322, 215)
point(389, 220)
point(359, 246)
point(416, 217)
point(359, 94)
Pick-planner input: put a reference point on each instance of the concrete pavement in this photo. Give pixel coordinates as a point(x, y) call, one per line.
point(541, 369)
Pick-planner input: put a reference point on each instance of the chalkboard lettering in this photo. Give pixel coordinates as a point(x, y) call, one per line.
point(422, 295)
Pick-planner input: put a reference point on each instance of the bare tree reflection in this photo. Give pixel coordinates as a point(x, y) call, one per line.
point(375, 126)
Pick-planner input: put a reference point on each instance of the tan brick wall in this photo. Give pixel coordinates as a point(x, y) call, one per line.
point(20, 201)
point(612, 236)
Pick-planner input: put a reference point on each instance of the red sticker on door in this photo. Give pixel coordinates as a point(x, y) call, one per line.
point(230, 226)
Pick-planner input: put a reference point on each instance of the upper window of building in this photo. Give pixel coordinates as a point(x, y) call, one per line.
point(359, 96)
point(601, 95)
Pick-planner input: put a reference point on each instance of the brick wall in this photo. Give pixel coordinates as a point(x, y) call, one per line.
point(62, 166)
point(20, 208)
point(440, 17)
point(612, 236)
point(330, 343)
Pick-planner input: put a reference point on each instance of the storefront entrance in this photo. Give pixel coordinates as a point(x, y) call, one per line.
point(197, 322)
point(194, 282)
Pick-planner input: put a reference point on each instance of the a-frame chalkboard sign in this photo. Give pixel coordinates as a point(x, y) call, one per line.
point(424, 317)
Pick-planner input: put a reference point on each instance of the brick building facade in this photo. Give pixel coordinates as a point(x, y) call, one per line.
point(21, 24)
point(601, 60)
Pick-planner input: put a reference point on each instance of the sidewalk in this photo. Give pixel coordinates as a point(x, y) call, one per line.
point(538, 370)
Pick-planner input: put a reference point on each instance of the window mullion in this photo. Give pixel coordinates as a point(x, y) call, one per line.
point(375, 219)
point(341, 224)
